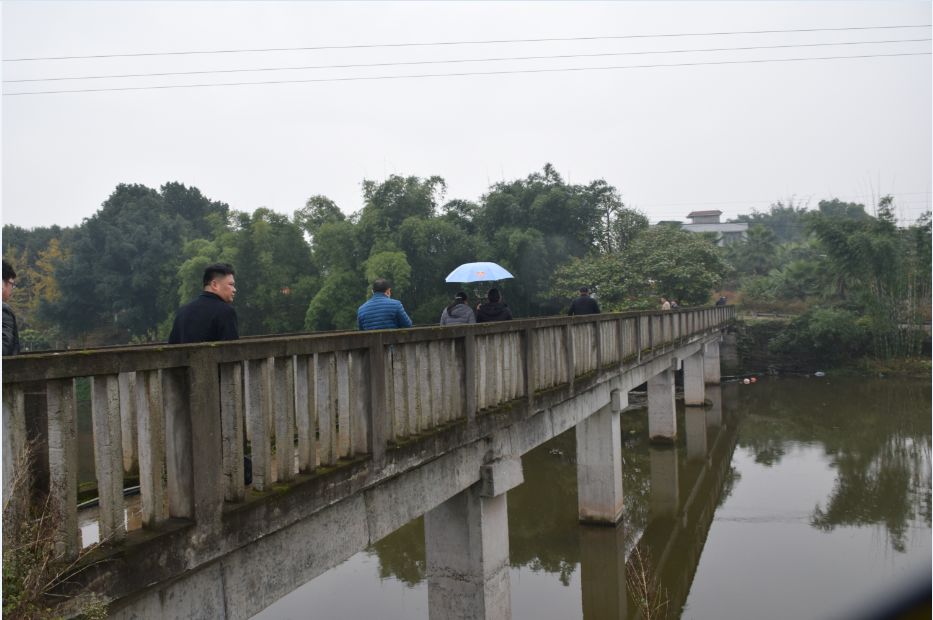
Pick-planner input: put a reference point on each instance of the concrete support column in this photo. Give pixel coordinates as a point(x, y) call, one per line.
point(665, 486)
point(662, 419)
point(711, 362)
point(694, 377)
point(467, 549)
point(602, 572)
point(599, 463)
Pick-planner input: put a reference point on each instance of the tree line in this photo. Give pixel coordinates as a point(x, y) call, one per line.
point(120, 275)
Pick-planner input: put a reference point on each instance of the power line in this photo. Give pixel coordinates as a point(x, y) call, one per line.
point(462, 74)
point(450, 43)
point(461, 60)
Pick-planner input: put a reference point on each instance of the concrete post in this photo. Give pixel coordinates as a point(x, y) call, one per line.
point(467, 547)
point(711, 362)
point(695, 423)
point(602, 572)
point(127, 383)
point(665, 490)
point(599, 464)
point(662, 418)
point(694, 380)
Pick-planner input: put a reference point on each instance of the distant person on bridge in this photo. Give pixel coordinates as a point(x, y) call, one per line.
point(584, 304)
point(10, 330)
point(459, 312)
point(721, 301)
point(665, 304)
point(381, 311)
point(209, 317)
point(494, 309)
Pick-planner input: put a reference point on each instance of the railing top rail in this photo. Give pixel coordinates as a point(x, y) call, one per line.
point(112, 360)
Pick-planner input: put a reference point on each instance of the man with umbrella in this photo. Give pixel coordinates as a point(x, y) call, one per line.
point(494, 309)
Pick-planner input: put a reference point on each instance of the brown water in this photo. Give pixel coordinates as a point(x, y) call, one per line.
point(807, 498)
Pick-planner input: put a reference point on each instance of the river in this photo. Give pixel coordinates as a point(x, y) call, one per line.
point(790, 498)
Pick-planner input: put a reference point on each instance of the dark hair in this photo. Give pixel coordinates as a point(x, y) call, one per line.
point(217, 269)
point(584, 290)
point(459, 298)
point(8, 273)
point(381, 285)
point(493, 295)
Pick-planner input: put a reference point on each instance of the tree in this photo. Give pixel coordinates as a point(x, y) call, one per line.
point(318, 210)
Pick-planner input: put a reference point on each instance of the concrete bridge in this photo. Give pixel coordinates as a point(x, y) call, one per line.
point(351, 435)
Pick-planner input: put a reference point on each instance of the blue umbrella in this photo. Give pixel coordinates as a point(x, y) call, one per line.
point(478, 272)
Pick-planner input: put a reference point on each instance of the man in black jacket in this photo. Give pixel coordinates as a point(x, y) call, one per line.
point(210, 317)
point(10, 330)
point(584, 304)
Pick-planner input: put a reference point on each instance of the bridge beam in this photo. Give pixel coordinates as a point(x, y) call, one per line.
point(711, 372)
point(467, 549)
point(662, 419)
point(694, 394)
point(599, 463)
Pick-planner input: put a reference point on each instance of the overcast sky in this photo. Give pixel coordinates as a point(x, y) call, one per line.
point(731, 137)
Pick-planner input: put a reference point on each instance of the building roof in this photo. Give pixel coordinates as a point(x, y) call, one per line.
point(703, 213)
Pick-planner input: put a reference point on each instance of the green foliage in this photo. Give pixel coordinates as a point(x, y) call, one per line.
point(824, 335)
point(318, 210)
point(334, 305)
point(392, 266)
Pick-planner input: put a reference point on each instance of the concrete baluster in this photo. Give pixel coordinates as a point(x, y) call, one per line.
point(127, 382)
point(500, 350)
point(359, 384)
point(482, 377)
point(108, 455)
point(530, 367)
point(469, 378)
point(412, 362)
point(283, 411)
point(63, 465)
point(389, 389)
point(599, 463)
point(377, 424)
point(343, 404)
point(231, 418)
point(259, 407)
point(150, 426)
point(568, 354)
point(694, 394)
point(438, 396)
point(400, 391)
point(662, 419)
point(207, 460)
point(326, 396)
point(14, 439)
point(425, 398)
point(305, 413)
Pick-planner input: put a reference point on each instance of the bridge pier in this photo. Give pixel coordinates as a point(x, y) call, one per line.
point(694, 379)
point(695, 421)
point(711, 373)
point(599, 463)
point(467, 548)
point(602, 572)
point(662, 419)
point(714, 412)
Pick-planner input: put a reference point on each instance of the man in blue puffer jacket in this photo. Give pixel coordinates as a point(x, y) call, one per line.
point(381, 311)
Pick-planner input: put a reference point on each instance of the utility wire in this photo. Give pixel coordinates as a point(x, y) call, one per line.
point(463, 74)
point(449, 43)
point(461, 60)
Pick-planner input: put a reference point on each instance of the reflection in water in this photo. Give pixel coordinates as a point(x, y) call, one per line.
point(769, 509)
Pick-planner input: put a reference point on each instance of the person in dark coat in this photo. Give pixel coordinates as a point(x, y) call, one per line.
point(10, 330)
point(459, 312)
point(584, 304)
point(210, 316)
point(381, 311)
point(494, 309)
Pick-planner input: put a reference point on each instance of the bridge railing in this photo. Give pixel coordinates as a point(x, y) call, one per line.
point(187, 415)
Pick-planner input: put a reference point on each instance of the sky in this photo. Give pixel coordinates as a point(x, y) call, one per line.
point(734, 136)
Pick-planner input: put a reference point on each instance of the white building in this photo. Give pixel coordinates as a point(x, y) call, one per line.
point(708, 221)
